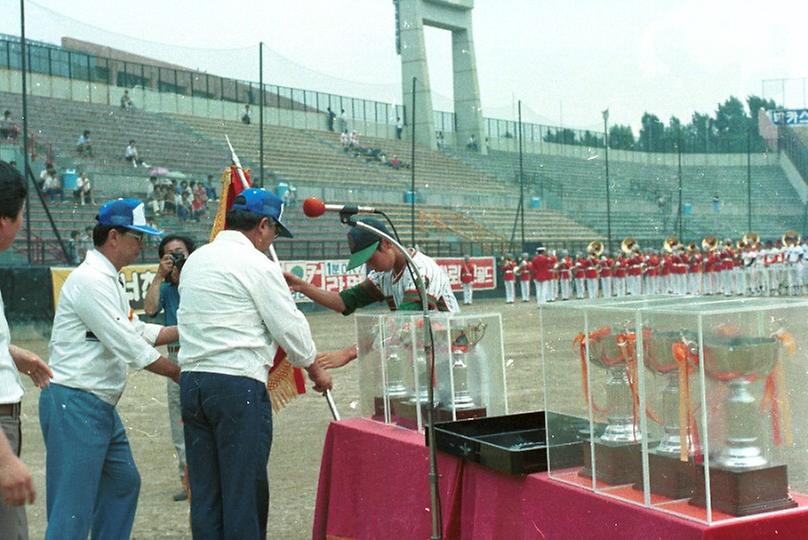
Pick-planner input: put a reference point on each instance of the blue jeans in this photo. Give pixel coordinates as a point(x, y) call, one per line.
point(228, 434)
point(92, 482)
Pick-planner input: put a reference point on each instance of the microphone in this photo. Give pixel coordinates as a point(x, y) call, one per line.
point(314, 207)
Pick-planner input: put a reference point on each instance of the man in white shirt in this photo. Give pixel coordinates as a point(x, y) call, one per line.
point(235, 311)
point(16, 486)
point(92, 481)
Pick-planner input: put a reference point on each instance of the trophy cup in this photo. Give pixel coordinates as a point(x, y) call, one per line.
point(743, 480)
point(466, 373)
point(617, 450)
point(393, 388)
point(671, 355)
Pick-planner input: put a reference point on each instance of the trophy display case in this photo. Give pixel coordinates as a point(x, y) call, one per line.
point(686, 403)
point(394, 377)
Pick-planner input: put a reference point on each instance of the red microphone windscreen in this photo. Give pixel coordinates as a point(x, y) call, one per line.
point(313, 207)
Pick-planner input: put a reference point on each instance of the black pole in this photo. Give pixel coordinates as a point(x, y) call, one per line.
point(412, 167)
point(679, 172)
point(748, 180)
point(521, 179)
point(608, 197)
point(261, 110)
point(26, 162)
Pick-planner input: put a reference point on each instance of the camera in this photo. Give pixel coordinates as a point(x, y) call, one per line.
point(178, 258)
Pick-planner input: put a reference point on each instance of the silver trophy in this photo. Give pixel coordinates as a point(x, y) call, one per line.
point(610, 353)
point(465, 364)
point(738, 361)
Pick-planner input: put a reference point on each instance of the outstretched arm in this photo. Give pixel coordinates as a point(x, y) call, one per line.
point(330, 299)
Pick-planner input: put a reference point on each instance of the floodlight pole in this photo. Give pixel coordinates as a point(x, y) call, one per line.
point(412, 167)
point(521, 177)
point(261, 110)
point(608, 196)
point(26, 162)
point(748, 180)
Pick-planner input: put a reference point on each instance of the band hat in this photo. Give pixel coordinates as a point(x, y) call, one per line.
point(262, 202)
point(126, 213)
point(363, 243)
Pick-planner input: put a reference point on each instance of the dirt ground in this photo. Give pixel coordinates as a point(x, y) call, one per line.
point(299, 429)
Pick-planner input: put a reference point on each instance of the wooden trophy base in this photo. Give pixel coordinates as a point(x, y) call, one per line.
point(744, 492)
point(616, 463)
point(378, 408)
point(444, 414)
point(669, 476)
point(407, 413)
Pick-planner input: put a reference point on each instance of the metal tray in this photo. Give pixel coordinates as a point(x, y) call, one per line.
point(513, 444)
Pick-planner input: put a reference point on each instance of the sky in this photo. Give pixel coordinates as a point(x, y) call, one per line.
point(566, 60)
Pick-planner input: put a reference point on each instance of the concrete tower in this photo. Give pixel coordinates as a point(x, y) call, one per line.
point(454, 16)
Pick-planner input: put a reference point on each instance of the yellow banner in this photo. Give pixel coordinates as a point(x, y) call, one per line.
point(136, 279)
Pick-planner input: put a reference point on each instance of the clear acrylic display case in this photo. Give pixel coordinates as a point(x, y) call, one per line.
point(394, 377)
point(679, 404)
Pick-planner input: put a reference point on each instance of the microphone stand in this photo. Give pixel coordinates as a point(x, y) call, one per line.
point(348, 219)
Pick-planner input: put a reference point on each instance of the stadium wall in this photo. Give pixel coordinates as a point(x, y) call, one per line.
point(165, 102)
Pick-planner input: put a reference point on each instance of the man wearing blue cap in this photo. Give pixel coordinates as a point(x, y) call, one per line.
point(235, 311)
point(388, 281)
point(92, 481)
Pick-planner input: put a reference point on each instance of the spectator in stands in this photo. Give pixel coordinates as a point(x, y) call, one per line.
point(126, 101)
point(329, 118)
point(84, 190)
point(343, 121)
point(199, 204)
point(716, 204)
point(49, 170)
point(345, 140)
point(155, 201)
point(245, 118)
point(394, 162)
point(73, 248)
point(131, 155)
point(84, 146)
point(439, 140)
point(399, 127)
point(8, 128)
point(53, 186)
point(354, 140)
point(292, 199)
point(85, 243)
point(472, 143)
point(169, 199)
point(184, 207)
point(210, 189)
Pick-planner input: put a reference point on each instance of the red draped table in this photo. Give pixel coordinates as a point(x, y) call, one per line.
point(373, 485)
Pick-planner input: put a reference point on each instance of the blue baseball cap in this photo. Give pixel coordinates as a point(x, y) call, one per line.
point(126, 213)
point(262, 202)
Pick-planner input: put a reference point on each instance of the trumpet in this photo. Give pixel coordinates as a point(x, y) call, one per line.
point(629, 245)
point(595, 248)
point(670, 244)
point(791, 238)
point(709, 243)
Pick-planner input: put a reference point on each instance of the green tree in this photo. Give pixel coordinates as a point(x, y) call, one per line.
point(621, 137)
point(651, 133)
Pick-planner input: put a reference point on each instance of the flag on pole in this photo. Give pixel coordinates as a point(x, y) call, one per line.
point(285, 381)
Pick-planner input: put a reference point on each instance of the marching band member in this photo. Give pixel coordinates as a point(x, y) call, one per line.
point(606, 271)
point(509, 277)
point(726, 268)
point(694, 269)
point(749, 256)
point(542, 265)
point(794, 256)
point(579, 273)
point(635, 271)
point(563, 268)
point(654, 274)
point(592, 268)
point(739, 275)
point(525, 276)
point(619, 280)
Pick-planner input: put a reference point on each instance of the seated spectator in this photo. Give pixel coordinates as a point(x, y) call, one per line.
point(440, 140)
point(199, 204)
point(47, 171)
point(53, 187)
point(292, 199)
point(155, 201)
point(394, 162)
point(472, 143)
point(245, 118)
point(84, 146)
point(84, 190)
point(354, 141)
point(8, 128)
point(344, 140)
point(73, 256)
point(131, 155)
point(169, 200)
point(210, 189)
point(184, 207)
point(126, 101)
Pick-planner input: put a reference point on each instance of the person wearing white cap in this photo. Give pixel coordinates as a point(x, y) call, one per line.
point(92, 481)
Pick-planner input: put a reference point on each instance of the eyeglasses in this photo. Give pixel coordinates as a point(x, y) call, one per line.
point(136, 235)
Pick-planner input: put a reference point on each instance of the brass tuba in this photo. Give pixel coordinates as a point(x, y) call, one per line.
point(595, 248)
point(709, 243)
point(691, 247)
point(791, 238)
point(670, 244)
point(751, 238)
point(628, 245)
point(741, 245)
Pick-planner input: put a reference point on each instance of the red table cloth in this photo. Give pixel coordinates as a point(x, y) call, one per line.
point(373, 485)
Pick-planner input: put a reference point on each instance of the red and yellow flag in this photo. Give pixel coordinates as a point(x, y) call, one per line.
point(286, 382)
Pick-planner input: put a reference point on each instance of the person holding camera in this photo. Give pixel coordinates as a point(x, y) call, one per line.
point(163, 296)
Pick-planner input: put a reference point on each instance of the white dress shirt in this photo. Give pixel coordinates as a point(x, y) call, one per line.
point(235, 309)
point(96, 334)
point(11, 390)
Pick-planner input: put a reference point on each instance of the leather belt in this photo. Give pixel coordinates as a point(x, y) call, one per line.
point(10, 409)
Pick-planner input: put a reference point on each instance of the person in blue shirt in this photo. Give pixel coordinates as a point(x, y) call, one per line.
point(163, 296)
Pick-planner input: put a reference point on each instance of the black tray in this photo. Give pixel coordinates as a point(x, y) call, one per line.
point(512, 444)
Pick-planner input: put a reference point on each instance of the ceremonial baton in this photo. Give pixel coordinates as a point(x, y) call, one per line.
point(234, 158)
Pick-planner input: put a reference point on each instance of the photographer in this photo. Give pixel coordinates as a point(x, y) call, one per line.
point(163, 295)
